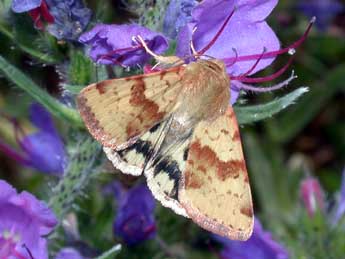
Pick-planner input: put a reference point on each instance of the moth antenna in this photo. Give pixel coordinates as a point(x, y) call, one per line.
point(144, 45)
point(161, 59)
point(195, 53)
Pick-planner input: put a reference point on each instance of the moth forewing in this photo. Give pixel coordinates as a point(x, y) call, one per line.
point(118, 111)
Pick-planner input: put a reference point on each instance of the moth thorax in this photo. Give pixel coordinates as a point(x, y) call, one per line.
point(206, 92)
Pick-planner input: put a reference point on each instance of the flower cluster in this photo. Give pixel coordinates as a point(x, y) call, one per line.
point(67, 19)
point(24, 221)
point(134, 220)
point(236, 33)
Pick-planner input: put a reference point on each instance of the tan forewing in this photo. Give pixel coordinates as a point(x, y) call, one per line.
point(214, 188)
point(118, 111)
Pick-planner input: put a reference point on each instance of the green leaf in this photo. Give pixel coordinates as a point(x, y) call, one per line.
point(25, 83)
point(249, 114)
point(110, 253)
point(40, 47)
point(305, 110)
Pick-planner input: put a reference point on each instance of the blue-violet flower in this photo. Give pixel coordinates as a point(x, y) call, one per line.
point(70, 18)
point(177, 15)
point(24, 221)
point(42, 150)
point(116, 44)
point(134, 221)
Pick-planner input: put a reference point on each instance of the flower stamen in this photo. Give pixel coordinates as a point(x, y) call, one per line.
point(254, 66)
point(239, 86)
point(272, 54)
point(266, 78)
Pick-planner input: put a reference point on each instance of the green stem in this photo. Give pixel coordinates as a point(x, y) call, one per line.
point(111, 252)
point(6, 32)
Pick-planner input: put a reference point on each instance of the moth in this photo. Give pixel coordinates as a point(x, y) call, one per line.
point(177, 128)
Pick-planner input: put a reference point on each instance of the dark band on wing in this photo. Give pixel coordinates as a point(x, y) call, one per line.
point(171, 168)
point(143, 147)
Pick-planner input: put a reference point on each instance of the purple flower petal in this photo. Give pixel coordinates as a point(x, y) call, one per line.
point(234, 93)
point(70, 18)
point(6, 191)
point(21, 6)
point(134, 221)
point(45, 152)
point(41, 118)
point(26, 220)
point(177, 14)
point(115, 44)
point(259, 246)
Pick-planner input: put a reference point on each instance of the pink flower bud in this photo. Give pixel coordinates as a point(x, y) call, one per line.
point(312, 195)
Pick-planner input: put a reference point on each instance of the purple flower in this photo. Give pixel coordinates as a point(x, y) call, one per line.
point(24, 221)
point(134, 220)
point(37, 9)
point(259, 246)
point(178, 13)
point(67, 19)
point(116, 44)
point(70, 18)
point(312, 195)
point(69, 253)
point(324, 10)
point(237, 33)
point(42, 150)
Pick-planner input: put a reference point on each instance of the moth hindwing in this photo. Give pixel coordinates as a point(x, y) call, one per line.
point(177, 127)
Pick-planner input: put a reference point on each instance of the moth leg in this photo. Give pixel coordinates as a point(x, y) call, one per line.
point(170, 60)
